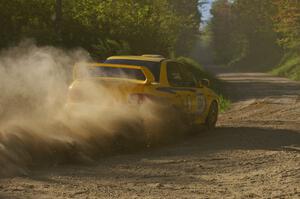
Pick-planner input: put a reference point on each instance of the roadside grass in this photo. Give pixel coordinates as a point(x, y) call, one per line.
point(215, 83)
point(289, 66)
point(225, 103)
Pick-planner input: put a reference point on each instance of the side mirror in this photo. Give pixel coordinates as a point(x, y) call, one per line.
point(205, 82)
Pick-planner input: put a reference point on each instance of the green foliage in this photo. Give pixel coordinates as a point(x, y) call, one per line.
point(287, 23)
point(243, 33)
point(224, 103)
point(256, 34)
point(20, 19)
point(103, 27)
point(289, 66)
point(221, 29)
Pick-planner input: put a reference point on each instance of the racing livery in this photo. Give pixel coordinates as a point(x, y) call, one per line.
point(136, 78)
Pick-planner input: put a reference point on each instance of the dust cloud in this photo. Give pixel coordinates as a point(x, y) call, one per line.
point(36, 130)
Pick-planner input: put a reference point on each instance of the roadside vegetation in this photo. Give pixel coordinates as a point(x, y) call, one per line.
point(289, 66)
point(103, 28)
point(257, 35)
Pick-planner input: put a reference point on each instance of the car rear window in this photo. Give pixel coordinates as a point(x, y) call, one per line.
point(154, 67)
point(128, 73)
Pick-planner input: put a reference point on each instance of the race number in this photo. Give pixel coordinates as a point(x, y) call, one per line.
point(201, 103)
point(187, 103)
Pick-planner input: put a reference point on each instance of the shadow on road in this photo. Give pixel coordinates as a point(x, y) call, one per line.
point(243, 90)
point(204, 146)
point(247, 138)
point(245, 86)
point(2, 196)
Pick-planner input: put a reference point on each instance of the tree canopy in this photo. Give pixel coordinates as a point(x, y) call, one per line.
point(254, 33)
point(103, 27)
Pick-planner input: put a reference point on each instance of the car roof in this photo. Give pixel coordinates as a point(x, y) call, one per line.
point(141, 58)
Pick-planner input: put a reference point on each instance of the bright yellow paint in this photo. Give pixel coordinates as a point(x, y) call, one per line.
point(146, 72)
point(194, 101)
point(141, 58)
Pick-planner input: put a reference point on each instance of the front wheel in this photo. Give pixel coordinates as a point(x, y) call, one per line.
point(212, 116)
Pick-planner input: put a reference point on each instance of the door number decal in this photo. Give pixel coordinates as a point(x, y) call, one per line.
point(201, 103)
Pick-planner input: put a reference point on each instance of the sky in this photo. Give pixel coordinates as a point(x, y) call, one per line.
point(205, 10)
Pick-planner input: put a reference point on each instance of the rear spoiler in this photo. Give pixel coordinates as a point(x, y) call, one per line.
point(80, 68)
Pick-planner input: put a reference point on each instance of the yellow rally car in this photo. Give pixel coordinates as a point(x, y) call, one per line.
point(156, 78)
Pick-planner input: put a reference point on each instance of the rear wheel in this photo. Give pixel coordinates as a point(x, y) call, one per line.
point(212, 116)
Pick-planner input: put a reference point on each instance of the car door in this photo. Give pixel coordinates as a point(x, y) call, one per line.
point(183, 87)
point(199, 102)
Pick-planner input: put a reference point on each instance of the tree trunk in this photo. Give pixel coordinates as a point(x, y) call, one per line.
point(58, 18)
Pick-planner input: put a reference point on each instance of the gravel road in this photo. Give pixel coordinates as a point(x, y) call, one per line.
point(254, 153)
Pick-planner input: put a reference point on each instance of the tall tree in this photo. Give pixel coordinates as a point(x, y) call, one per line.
point(58, 18)
point(243, 33)
point(221, 28)
point(287, 22)
point(102, 27)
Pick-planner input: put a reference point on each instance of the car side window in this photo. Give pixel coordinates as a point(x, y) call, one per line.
point(189, 78)
point(174, 74)
point(179, 77)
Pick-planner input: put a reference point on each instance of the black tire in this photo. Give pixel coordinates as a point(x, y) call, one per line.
point(212, 116)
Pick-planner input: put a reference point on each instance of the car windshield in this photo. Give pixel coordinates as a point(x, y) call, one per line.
point(154, 67)
point(128, 73)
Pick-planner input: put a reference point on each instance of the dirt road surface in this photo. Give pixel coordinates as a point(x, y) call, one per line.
point(254, 153)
